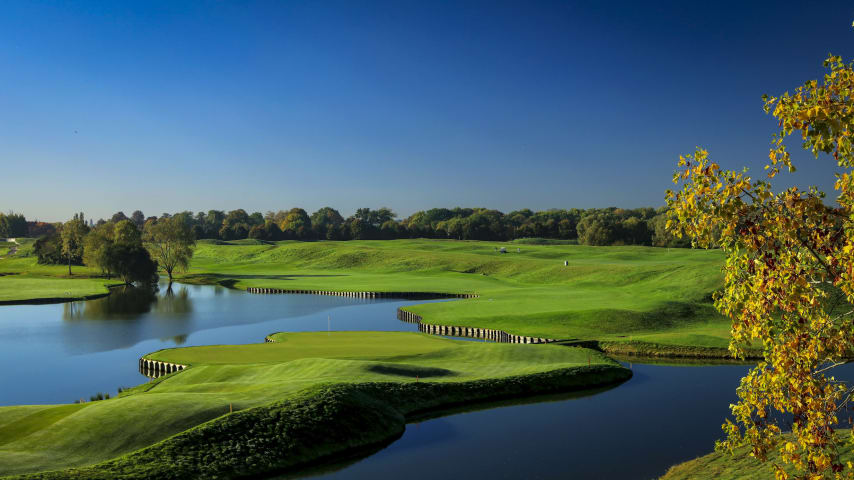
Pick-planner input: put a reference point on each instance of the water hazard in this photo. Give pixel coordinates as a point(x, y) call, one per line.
point(664, 415)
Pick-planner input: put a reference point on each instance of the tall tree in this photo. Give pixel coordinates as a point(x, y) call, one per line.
point(789, 278)
point(73, 233)
point(170, 241)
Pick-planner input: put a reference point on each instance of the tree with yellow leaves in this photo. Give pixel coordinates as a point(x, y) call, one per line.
point(789, 279)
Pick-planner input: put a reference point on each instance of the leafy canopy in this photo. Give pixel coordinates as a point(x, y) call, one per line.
point(789, 278)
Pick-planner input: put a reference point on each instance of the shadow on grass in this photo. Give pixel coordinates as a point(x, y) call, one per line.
point(411, 371)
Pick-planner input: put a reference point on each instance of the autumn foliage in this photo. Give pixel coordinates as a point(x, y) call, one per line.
point(789, 278)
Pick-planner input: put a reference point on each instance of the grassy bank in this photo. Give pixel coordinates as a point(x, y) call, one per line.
point(740, 466)
point(307, 396)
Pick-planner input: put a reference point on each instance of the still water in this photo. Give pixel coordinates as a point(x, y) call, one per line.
point(58, 353)
point(662, 416)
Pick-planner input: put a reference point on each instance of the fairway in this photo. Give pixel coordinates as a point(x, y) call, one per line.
point(628, 295)
point(297, 367)
point(651, 300)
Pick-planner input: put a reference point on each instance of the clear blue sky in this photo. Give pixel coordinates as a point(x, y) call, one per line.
point(168, 106)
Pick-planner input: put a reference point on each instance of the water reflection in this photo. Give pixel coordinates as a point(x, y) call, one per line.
point(72, 350)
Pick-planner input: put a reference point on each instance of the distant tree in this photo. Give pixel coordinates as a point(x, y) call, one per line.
point(12, 225)
point(297, 225)
point(326, 220)
point(256, 219)
point(95, 246)
point(48, 250)
point(170, 242)
point(138, 218)
point(127, 233)
point(118, 217)
point(597, 229)
point(73, 233)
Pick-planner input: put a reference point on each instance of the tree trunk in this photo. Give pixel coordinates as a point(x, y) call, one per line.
point(69, 264)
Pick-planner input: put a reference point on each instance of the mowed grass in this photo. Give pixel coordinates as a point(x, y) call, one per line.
point(241, 377)
point(641, 294)
point(23, 279)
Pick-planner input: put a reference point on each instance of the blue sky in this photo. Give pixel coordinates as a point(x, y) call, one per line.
point(168, 106)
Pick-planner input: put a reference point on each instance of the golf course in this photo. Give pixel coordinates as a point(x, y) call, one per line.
point(299, 398)
point(651, 301)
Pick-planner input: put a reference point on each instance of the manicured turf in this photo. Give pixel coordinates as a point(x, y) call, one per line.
point(22, 279)
point(300, 369)
point(649, 296)
point(655, 295)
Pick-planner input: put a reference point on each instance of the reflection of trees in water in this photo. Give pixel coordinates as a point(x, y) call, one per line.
point(174, 303)
point(131, 302)
point(124, 302)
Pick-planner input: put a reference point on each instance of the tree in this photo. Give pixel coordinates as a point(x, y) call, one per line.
point(118, 217)
point(131, 262)
point(72, 234)
point(297, 225)
point(13, 225)
point(138, 218)
point(170, 241)
point(789, 277)
point(48, 250)
point(95, 247)
point(127, 233)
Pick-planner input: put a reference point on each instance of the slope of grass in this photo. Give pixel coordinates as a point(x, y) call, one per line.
point(740, 466)
point(304, 397)
point(618, 294)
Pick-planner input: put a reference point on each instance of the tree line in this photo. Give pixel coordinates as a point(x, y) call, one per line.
point(604, 226)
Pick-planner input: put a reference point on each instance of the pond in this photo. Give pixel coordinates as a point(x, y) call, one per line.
point(664, 415)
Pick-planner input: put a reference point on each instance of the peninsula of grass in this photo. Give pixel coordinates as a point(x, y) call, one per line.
point(241, 410)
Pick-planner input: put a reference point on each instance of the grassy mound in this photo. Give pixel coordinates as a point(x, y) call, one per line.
point(302, 398)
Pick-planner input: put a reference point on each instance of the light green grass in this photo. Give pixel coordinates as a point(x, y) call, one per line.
point(16, 288)
point(250, 376)
point(655, 295)
point(22, 279)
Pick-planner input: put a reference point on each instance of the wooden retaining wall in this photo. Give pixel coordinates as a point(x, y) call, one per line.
point(471, 332)
point(401, 295)
point(154, 368)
